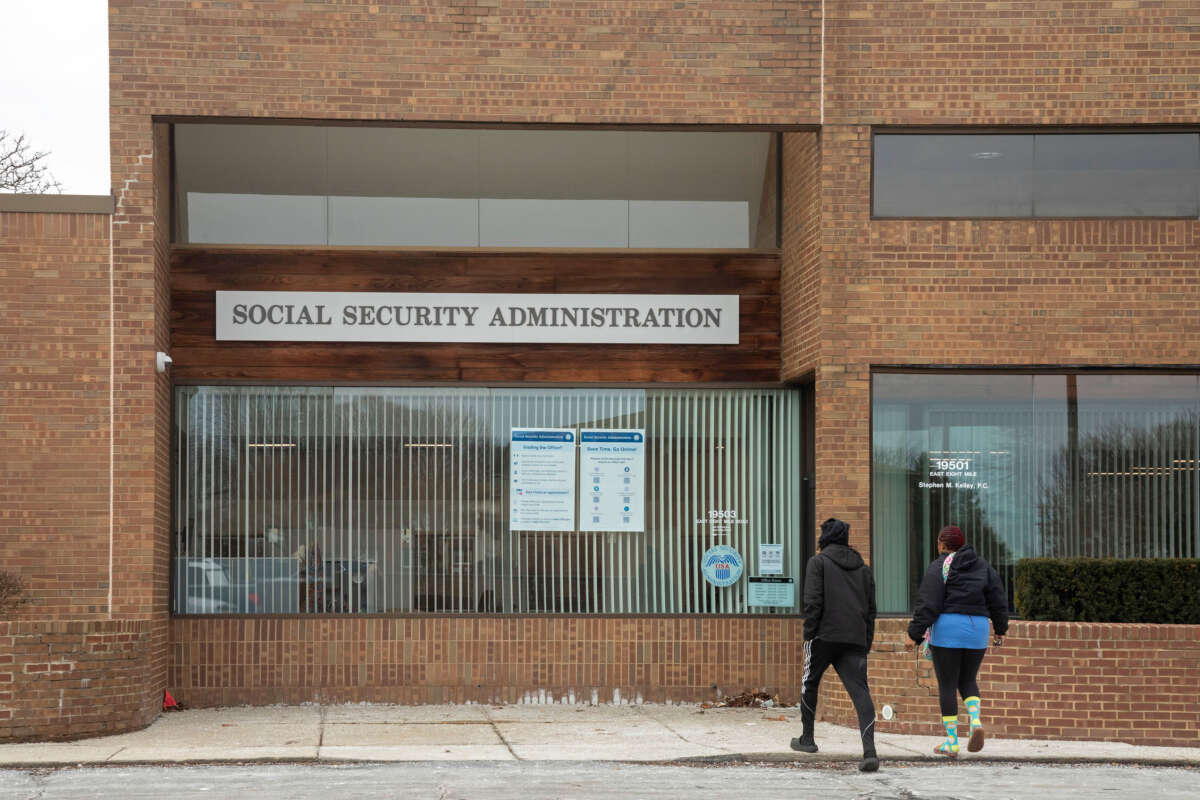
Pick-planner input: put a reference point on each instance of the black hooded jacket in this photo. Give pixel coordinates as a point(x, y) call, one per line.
point(839, 597)
point(972, 587)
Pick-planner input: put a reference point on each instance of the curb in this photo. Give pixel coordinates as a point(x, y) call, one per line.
point(729, 759)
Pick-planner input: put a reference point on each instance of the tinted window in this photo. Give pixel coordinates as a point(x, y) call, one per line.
point(1042, 175)
point(953, 175)
point(1050, 465)
point(1116, 175)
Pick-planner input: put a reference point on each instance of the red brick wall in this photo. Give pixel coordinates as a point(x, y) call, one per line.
point(978, 293)
point(995, 292)
point(54, 409)
point(524, 61)
point(66, 668)
point(1050, 680)
point(139, 411)
point(1031, 62)
point(68, 680)
point(156, 558)
point(457, 659)
point(1019, 292)
point(651, 61)
point(801, 275)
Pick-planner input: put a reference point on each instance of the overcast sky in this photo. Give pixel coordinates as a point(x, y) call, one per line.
point(54, 86)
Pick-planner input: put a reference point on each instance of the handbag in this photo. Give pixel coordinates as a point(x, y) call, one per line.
point(925, 651)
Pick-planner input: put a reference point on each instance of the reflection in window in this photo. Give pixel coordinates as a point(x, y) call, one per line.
point(953, 175)
point(958, 175)
point(426, 187)
point(1032, 465)
point(387, 500)
point(1117, 175)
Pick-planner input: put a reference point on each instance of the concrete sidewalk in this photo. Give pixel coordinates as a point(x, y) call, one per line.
point(634, 733)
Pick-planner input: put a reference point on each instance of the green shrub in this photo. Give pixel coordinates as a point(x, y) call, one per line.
point(1158, 590)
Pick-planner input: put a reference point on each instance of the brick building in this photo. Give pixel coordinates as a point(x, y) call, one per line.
point(960, 241)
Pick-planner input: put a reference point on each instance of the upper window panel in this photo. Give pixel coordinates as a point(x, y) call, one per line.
point(954, 176)
point(1037, 175)
point(1116, 175)
point(429, 187)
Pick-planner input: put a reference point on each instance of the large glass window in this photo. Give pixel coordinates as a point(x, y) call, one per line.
point(470, 187)
point(1096, 465)
point(961, 175)
point(389, 500)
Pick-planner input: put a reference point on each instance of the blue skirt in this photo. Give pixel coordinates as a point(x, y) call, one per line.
point(960, 630)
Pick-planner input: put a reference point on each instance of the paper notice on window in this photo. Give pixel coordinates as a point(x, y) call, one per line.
point(770, 559)
point(542, 479)
point(612, 480)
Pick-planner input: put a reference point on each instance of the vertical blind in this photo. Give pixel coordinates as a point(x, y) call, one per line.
point(387, 500)
point(1086, 465)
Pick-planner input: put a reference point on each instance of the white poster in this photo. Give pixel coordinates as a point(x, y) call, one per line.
point(542, 479)
point(612, 480)
point(770, 559)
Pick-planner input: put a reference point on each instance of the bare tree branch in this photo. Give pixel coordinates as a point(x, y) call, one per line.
point(22, 170)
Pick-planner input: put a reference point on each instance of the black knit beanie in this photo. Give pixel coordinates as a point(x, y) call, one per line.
point(834, 531)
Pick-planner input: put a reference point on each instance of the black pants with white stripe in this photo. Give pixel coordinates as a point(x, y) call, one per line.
point(850, 662)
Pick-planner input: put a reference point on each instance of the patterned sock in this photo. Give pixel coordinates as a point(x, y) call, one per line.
point(951, 726)
point(972, 704)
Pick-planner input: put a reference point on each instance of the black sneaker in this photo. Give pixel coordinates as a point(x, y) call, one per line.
point(804, 744)
point(869, 764)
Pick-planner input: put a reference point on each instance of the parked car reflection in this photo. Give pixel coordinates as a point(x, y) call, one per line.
point(203, 586)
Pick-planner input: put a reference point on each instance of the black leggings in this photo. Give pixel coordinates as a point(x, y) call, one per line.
point(956, 668)
point(850, 662)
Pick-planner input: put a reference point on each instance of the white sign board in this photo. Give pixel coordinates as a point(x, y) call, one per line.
point(612, 480)
point(542, 479)
point(511, 318)
point(770, 559)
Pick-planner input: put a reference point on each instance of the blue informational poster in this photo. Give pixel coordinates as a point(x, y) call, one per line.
point(542, 479)
point(612, 480)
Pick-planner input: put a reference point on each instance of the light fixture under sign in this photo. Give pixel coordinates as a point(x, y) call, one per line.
point(987, 154)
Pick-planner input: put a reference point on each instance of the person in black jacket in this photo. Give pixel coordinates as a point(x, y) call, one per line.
point(959, 592)
point(839, 626)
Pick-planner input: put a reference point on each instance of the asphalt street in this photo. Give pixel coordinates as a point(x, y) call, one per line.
point(537, 780)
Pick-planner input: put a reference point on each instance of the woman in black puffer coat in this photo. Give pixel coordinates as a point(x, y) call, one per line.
point(959, 594)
